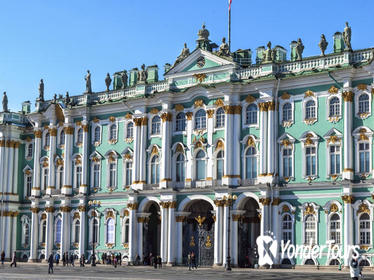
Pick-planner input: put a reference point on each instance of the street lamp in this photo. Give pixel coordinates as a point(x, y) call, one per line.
point(93, 204)
point(230, 200)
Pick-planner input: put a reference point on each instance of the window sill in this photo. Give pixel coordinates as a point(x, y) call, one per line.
point(334, 119)
point(310, 121)
point(363, 116)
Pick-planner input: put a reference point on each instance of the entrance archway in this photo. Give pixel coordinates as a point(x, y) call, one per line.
point(198, 232)
point(152, 230)
point(248, 231)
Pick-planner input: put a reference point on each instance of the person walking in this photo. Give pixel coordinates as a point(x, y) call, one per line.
point(50, 264)
point(155, 261)
point(14, 260)
point(72, 259)
point(63, 259)
point(193, 259)
point(57, 259)
point(354, 268)
point(189, 262)
point(2, 258)
point(159, 260)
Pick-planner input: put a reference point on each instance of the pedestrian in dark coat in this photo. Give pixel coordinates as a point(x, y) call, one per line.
point(155, 261)
point(2, 257)
point(14, 260)
point(159, 262)
point(72, 259)
point(50, 264)
point(57, 258)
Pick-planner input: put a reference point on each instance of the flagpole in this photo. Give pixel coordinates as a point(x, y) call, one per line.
point(229, 25)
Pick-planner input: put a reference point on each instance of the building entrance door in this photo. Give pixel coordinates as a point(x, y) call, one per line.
point(152, 229)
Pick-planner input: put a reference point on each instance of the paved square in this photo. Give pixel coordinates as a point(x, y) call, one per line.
point(39, 271)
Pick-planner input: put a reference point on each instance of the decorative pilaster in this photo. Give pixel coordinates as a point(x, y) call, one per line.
point(50, 225)
point(180, 218)
point(133, 207)
point(189, 164)
point(166, 150)
point(136, 156)
point(51, 163)
point(263, 141)
point(225, 232)
point(142, 154)
point(83, 188)
point(348, 226)
point(67, 188)
point(142, 218)
point(348, 149)
point(15, 168)
point(10, 161)
point(83, 226)
point(164, 231)
point(66, 228)
point(276, 225)
point(210, 146)
point(171, 232)
point(264, 215)
point(218, 230)
point(35, 191)
point(271, 140)
point(34, 232)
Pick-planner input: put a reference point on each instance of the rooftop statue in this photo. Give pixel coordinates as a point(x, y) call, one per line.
point(124, 79)
point(268, 53)
point(347, 33)
point(203, 41)
point(224, 49)
point(108, 81)
point(184, 53)
point(5, 103)
point(41, 90)
point(55, 98)
point(299, 49)
point(88, 82)
point(67, 99)
point(142, 75)
point(203, 33)
point(323, 44)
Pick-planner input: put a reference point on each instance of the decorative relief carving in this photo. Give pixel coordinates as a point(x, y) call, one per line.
point(363, 208)
point(251, 142)
point(309, 93)
point(189, 115)
point(348, 96)
point(265, 201)
point(362, 87)
point(250, 99)
point(200, 77)
point(85, 127)
point(38, 133)
point(128, 116)
point(347, 199)
point(334, 208)
point(309, 210)
point(179, 149)
point(232, 109)
point(220, 145)
point(263, 106)
point(198, 103)
point(219, 103)
point(178, 107)
point(69, 130)
point(333, 90)
point(285, 209)
point(166, 117)
point(112, 119)
point(154, 111)
point(154, 151)
point(285, 96)
point(132, 206)
point(210, 113)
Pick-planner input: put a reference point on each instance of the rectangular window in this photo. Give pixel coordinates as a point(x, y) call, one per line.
point(128, 173)
point(334, 160)
point(78, 176)
point(287, 163)
point(364, 157)
point(28, 185)
point(219, 169)
point(310, 157)
point(96, 176)
point(112, 174)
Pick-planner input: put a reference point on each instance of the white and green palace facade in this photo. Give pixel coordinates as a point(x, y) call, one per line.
point(291, 139)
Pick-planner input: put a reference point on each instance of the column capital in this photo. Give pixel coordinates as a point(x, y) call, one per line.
point(34, 210)
point(50, 209)
point(82, 208)
point(348, 199)
point(132, 206)
point(265, 201)
point(348, 96)
point(189, 115)
point(166, 117)
point(38, 133)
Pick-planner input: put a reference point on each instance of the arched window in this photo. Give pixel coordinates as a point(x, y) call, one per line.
point(47, 139)
point(28, 183)
point(200, 119)
point(287, 112)
point(96, 175)
point(251, 163)
point(77, 226)
point(80, 136)
point(112, 174)
point(97, 134)
point(113, 132)
point(335, 228)
point(58, 231)
point(110, 231)
point(128, 166)
point(311, 159)
point(287, 162)
point(179, 168)
point(310, 262)
point(310, 110)
point(95, 228)
point(156, 125)
point(62, 137)
point(364, 229)
point(363, 103)
point(180, 122)
point(45, 178)
point(364, 157)
point(334, 262)
point(26, 234)
point(334, 107)
point(287, 228)
point(155, 170)
point(130, 130)
point(220, 117)
point(310, 230)
point(200, 165)
point(59, 177)
point(251, 114)
point(126, 228)
point(77, 176)
point(44, 231)
point(29, 150)
point(219, 165)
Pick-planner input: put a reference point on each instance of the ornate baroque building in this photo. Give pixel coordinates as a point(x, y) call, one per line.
point(291, 139)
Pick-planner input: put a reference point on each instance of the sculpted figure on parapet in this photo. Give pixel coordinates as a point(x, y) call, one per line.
point(5, 103)
point(88, 82)
point(347, 33)
point(299, 49)
point(184, 53)
point(108, 81)
point(142, 75)
point(224, 49)
point(41, 90)
point(269, 54)
point(124, 79)
point(323, 44)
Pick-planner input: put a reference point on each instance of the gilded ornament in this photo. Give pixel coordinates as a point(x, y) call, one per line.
point(112, 119)
point(38, 133)
point(308, 93)
point(154, 111)
point(236, 217)
point(276, 201)
point(154, 150)
point(333, 139)
point(208, 243)
point(192, 241)
point(69, 130)
point(309, 210)
point(82, 208)
point(189, 115)
point(128, 116)
point(28, 139)
point(144, 121)
point(220, 145)
point(285, 142)
point(132, 206)
point(219, 103)
point(53, 131)
point(271, 106)
point(76, 215)
point(200, 220)
point(250, 99)
point(198, 103)
point(363, 208)
point(263, 106)
point(95, 120)
point(347, 199)
point(138, 121)
point(128, 156)
point(285, 208)
point(265, 201)
point(49, 209)
point(362, 87)
point(285, 96)
point(333, 90)
point(348, 96)
point(110, 214)
point(126, 213)
point(85, 127)
point(179, 149)
point(65, 208)
point(210, 113)
point(166, 117)
point(334, 208)
point(34, 210)
point(200, 77)
point(178, 107)
point(251, 142)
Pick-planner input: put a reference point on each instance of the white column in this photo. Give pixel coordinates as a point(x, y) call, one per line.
point(164, 232)
point(7, 236)
point(65, 229)
point(132, 231)
point(14, 229)
point(264, 215)
point(49, 236)
point(348, 227)
point(229, 156)
point(34, 232)
point(141, 221)
point(37, 148)
point(51, 163)
point(236, 144)
point(180, 219)
point(348, 149)
point(166, 150)
point(136, 156)
point(271, 140)
point(218, 234)
point(67, 188)
point(225, 231)
point(10, 163)
point(171, 233)
point(210, 147)
point(15, 168)
point(142, 153)
point(263, 142)
point(234, 239)
point(83, 188)
point(276, 225)
point(189, 164)
point(83, 229)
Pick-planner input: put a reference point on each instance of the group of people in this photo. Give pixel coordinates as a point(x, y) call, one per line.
point(14, 259)
point(191, 261)
point(112, 259)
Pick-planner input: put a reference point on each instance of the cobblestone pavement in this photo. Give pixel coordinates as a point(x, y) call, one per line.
point(39, 271)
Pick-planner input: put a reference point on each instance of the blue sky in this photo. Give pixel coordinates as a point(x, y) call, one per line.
point(59, 40)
